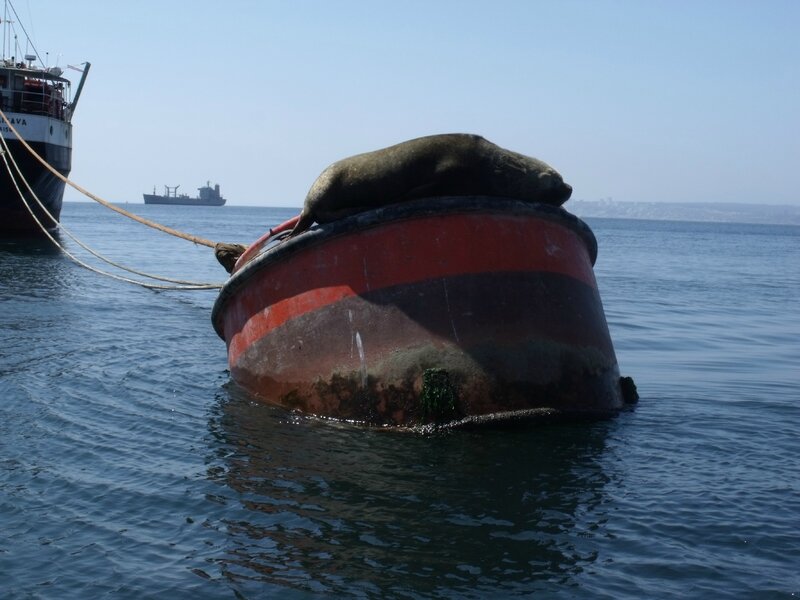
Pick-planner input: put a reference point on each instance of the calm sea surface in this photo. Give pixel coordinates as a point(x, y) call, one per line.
point(131, 466)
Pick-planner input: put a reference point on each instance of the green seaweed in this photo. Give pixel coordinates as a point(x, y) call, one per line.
point(438, 398)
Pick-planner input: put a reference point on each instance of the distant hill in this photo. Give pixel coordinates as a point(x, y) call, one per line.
point(726, 212)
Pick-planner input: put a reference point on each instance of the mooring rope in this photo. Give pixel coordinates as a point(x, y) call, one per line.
point(163, 228)
point(184, 285)
point(46, 212)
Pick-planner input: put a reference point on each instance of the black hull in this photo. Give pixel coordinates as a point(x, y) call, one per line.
point(156, 199)
point(14, 217)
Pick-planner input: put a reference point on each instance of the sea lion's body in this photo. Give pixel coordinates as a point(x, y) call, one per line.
point(454, 164)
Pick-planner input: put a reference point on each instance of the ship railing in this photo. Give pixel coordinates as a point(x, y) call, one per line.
point(44, 103)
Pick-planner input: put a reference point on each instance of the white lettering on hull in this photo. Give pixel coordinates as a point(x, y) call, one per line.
point(37, 129)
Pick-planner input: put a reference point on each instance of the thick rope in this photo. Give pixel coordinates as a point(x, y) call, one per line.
point(88, 194)
point(201, 285)
point(4, 153)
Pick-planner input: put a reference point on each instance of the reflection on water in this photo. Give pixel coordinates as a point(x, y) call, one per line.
point(31, 265)
point(329, 507)
point(29, 245)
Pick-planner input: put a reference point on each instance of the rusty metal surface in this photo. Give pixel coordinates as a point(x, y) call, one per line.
point(365, 358)
point(388, 327)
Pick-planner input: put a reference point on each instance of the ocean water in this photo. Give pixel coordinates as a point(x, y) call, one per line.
point(131, 466)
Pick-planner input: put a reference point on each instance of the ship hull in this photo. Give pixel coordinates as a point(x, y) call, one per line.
point(450, 311)
point(15, 218)
point(179, 201)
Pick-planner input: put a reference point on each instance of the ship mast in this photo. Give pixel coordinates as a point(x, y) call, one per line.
point(6, 27)
point(7, 30)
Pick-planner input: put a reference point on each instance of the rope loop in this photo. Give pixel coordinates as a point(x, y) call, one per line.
point(6, 154)
point(163, 228)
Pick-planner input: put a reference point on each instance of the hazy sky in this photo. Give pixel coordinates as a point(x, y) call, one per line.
point(640, 100)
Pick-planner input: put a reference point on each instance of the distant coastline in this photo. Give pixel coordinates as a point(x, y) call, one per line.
point(721, 212)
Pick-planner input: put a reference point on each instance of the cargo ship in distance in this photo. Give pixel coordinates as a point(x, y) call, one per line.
point(208, 196)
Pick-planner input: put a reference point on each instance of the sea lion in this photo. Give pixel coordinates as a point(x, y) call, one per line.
point(455, 164)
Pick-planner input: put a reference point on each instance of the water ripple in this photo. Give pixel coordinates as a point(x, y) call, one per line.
point(130, 466)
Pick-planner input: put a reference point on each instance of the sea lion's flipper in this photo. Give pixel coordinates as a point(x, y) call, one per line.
point(421, 191)
point(228, 254)
point(305, 221)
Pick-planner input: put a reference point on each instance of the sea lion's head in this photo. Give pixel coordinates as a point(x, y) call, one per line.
point(523, 177)
point(554, 190)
